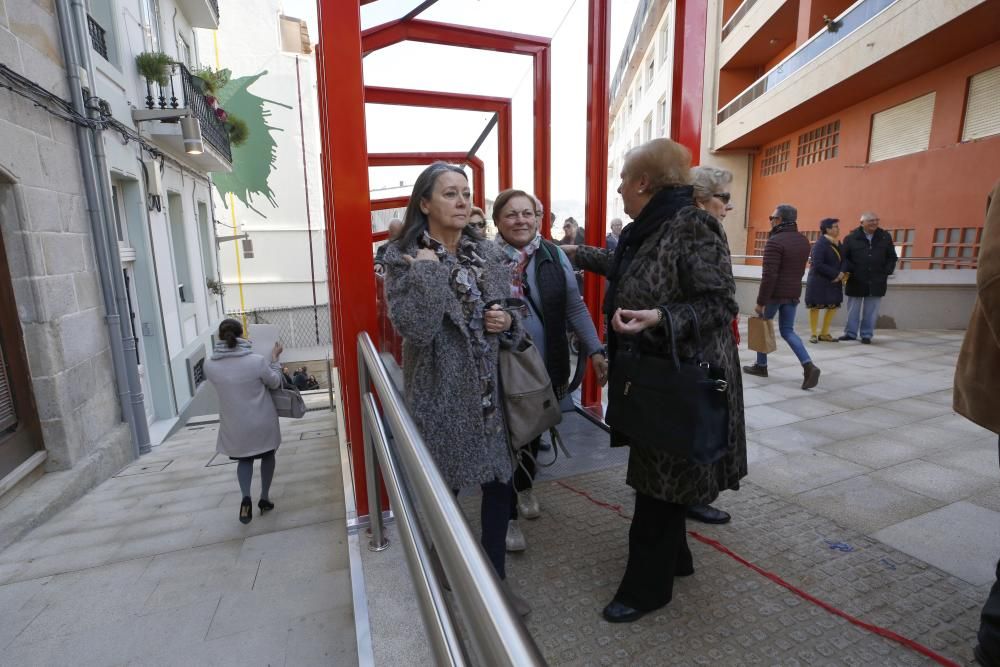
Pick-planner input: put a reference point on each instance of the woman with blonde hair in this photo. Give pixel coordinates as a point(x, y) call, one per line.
point(672, 259)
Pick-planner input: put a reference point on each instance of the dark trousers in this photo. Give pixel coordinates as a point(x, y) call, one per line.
point(657, 551)
point(494, 512)
point(989, 623)
point(525, 473)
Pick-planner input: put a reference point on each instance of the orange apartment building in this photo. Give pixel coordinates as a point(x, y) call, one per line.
point(842, 106)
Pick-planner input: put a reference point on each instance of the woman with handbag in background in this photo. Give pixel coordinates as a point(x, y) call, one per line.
point(440, 276)
point(541, 275)
point(672, 266)
point(248, 420)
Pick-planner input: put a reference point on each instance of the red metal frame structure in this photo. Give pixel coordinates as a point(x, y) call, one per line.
point(688, 84)
point(347, 207)
point(538, 48)
point(409, 159)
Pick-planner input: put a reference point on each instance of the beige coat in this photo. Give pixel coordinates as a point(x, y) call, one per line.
point(977, 376)
point(248, 422)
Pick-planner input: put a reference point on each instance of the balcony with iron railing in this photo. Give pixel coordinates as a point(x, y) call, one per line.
point(98, 37)
point(165, 104)
point(871, 46)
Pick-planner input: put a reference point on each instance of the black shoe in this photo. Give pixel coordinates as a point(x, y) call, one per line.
point(759, 371)
point(265, 505)
point(616, 612)
point(846, 337)
point(866, 341)
point(707, 514)
point(246, 510)
point(810, 376)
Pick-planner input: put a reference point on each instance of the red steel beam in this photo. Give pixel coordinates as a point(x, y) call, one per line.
point(538, 48)
point(688, 85)
point(598, 68)
point(408, 159)
point(348, 210)
point(436, 100)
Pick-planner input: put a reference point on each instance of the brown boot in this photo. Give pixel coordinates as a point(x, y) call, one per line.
point(810, 375)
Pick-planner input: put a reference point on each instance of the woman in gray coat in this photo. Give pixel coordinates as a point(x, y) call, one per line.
point(248, 421)
point(441, 277)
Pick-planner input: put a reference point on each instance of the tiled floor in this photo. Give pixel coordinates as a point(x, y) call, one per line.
point(153, 568)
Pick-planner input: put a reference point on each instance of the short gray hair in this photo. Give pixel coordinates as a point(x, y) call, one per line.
point(709, 181)
point(869, 215)
point(787, 213)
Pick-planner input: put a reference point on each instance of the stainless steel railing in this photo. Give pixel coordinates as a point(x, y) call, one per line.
point(494, 632)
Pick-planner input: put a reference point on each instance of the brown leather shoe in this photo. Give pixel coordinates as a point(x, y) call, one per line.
point(810, 375)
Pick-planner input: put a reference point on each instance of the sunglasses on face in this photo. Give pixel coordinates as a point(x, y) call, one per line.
point(772, 218)
point(723, 197)
point(481, 224)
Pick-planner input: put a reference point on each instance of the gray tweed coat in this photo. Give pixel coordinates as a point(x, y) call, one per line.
point(440, 384)
point(685, 261)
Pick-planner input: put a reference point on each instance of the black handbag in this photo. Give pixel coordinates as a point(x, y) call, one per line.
point(677, 406)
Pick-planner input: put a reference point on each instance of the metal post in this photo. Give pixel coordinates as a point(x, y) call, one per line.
point(376, 528)
point(688, 84)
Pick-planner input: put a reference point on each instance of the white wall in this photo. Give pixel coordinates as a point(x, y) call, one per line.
point(279, 272)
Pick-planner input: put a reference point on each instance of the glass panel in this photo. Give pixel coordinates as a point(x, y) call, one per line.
point(968, 251)
point(952, 251)
point(909, 235)
point(970, 235)
point(955, 236)
point(940, 235)
point(938, 251)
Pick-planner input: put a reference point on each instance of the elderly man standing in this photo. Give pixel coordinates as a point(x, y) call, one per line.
point(785, 257)
point(611, 242)
point(869, 260)
point(977, 385)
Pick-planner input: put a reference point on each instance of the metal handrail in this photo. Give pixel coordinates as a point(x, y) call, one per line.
point(932, 260)
point(496, 633)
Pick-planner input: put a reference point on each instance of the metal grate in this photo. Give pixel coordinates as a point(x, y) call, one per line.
point(775, 159)
point(818, 145)
point(212, 129)
point(8, 412)
point(98, 37)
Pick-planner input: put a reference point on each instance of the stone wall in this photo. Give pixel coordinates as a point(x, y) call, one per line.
point(46, 232)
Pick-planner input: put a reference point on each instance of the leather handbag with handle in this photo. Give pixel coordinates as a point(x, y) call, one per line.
point(678, 406)
point(288, 401)
point(530, 404)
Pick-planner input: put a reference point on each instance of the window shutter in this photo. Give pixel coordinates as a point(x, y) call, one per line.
point(902, 130)
point(8, 416)
point(982, 109)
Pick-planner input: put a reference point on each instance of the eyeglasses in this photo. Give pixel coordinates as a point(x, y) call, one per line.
point(481, 224)
point(772, 218)
point(723, 197)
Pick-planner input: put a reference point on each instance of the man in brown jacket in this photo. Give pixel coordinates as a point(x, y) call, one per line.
point(977, 387)
point(785, 257)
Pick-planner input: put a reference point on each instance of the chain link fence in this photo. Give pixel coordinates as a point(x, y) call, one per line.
point(298, 326)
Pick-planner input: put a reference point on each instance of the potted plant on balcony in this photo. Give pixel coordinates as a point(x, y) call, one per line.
point(210, 81)
point(154, 66)
point(215, 286)
point(237, 128)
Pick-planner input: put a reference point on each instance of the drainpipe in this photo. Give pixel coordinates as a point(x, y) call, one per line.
point(128, 336)
point(97, 215)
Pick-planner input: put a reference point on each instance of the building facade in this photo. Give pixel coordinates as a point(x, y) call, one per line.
point(846, 106)
point(108, 248)
point(274, 192)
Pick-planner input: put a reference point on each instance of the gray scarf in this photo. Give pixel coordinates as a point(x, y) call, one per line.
point(223, 351)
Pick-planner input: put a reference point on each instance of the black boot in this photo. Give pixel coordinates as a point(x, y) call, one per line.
point(810, 375)
point(759, 371)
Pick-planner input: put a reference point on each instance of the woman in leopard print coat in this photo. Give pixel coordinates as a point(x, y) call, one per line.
point(672, 254)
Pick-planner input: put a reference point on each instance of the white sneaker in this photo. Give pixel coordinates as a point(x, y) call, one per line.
point(527, 504)
point(515, 538)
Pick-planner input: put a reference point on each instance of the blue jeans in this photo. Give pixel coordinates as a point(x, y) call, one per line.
point(786, 327)
point(862, 311)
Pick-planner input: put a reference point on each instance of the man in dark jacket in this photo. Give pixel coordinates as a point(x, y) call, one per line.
point(869, 260)
point(785, 257)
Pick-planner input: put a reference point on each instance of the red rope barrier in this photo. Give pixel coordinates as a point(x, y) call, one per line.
point(718, 546)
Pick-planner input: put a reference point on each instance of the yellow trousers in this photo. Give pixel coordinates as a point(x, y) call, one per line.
point(814, 321)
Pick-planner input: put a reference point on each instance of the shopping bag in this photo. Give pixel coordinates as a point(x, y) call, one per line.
point(760, 335)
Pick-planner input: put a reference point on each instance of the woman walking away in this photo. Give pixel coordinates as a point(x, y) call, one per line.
point(541, 275)
point(672, 256)
point(248, 422)
point(825, 284)
point(440, 278)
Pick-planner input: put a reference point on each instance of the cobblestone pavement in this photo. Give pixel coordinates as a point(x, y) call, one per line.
point(152, 567)
point(727, 614)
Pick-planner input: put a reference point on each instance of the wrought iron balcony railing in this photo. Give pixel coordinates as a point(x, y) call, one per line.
point(213, 129)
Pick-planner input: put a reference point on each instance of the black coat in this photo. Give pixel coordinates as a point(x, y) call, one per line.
point(821, 291)
point(869, 264)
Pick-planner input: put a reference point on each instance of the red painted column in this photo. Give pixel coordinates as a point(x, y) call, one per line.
point(598, 75)
point(348, 210)
point(543, 143)
point(688, 86)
